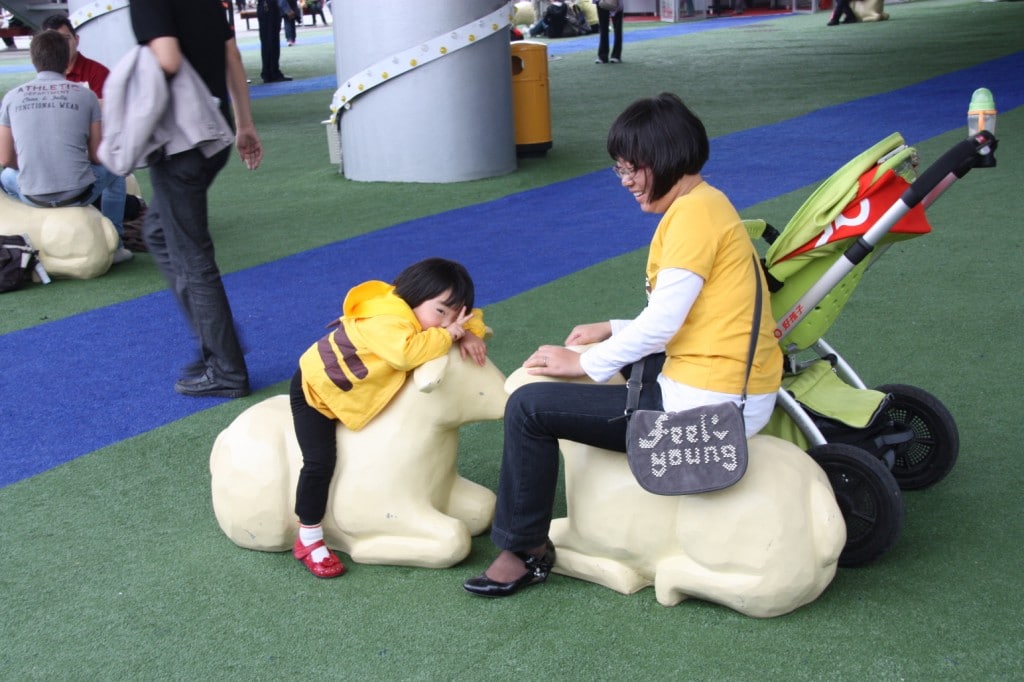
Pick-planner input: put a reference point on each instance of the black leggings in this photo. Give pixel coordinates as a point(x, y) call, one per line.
point(318, 440)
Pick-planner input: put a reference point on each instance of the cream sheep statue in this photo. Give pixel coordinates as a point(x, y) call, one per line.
point(523, 14)
point(869, 10)
point(396, 497)
point(763, 547)
point(75, 242)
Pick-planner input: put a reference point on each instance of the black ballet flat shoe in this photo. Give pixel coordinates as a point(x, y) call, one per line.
point(537, 570)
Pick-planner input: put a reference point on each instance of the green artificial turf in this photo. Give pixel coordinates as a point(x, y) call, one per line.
point(113, 567)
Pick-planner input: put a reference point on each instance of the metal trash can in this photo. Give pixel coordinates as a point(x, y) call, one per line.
point(531, 100)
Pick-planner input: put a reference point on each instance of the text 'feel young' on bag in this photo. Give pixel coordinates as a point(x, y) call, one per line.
point(691, 451)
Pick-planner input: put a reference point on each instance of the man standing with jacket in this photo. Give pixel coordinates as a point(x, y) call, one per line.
point(176, 229)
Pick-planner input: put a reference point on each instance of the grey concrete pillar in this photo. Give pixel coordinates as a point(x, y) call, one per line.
point(448, 120)
point(104, 29)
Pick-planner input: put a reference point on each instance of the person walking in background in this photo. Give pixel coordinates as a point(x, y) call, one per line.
point(291, 18)
point(609, 12)
point(176, 228)
point(270, 14)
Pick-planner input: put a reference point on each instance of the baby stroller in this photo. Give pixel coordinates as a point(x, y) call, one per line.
point(871, 443)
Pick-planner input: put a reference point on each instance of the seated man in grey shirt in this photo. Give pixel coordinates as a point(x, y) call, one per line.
point(49, 133)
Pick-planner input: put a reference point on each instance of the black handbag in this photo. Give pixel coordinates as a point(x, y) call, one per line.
point(692, 451)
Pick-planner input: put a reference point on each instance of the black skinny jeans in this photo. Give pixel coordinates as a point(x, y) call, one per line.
point(318, 440)
point(177, 234)
point(536, 416)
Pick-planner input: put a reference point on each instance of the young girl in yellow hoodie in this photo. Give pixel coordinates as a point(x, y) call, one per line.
point(350, 375)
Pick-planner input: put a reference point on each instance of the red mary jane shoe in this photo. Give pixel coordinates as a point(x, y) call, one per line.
point(330, 567)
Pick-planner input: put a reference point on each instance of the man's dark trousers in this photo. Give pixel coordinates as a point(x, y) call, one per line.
point(269, 16)
point(177, 234)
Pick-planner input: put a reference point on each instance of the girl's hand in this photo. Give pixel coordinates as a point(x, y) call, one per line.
point(554, 361)
point(474, 347)
point(455, 328)
point(585, 334)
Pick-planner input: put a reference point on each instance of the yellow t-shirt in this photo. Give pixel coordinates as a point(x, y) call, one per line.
point(702, 232)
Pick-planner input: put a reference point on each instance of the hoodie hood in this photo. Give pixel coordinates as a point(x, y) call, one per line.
point(375, 298)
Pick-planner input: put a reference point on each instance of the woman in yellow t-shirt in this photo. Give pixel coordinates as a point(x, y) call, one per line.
point(701, 292)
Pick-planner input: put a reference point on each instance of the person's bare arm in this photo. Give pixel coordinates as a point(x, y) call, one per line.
point(167, 51)
point(95, 135)
point(247, 140)
point(8, 155)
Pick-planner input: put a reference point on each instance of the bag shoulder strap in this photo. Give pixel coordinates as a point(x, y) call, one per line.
point(755, 328)
point(635, 383)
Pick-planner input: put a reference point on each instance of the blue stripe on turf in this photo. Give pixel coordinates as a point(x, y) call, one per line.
point(556, 48)
point(78, 385)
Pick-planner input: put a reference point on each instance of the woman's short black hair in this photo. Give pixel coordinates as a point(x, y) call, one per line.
point(661, 134)
point(432, 277)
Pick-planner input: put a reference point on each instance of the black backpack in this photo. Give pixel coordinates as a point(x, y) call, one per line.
point(575, 23)
point(17, 261)
point(554, 19)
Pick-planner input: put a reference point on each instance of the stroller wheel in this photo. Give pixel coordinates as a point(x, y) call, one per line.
point(868, 497)
point(931, 453)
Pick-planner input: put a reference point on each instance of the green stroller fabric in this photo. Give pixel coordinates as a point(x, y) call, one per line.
point(803, 252)
point(821, 392)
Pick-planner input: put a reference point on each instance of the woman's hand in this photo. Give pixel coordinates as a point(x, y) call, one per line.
point(474, 347)
point(585, 334)
point(554, 361)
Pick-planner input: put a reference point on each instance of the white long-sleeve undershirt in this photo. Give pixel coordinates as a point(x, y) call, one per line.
point(649, 332)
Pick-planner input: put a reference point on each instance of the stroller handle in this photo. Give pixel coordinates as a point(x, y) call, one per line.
point(978, 149)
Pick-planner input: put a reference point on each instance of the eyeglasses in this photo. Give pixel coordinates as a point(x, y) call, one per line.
point(623, 172)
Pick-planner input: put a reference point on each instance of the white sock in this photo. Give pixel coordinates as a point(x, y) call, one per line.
point(309, 535)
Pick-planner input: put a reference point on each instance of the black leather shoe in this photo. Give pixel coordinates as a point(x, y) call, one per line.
point(277, 79)
point(206, 385)
point(537, 570)
point(193, 370)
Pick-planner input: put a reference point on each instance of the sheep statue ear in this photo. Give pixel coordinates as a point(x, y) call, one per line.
point(428, 375)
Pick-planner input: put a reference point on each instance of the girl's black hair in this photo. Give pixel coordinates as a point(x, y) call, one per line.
point(662, 134)
point(432, 277)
